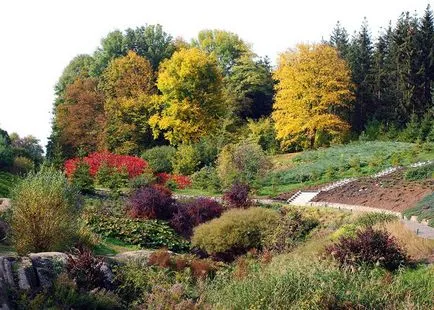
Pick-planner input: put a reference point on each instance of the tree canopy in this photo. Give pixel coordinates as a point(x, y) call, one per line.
point(314, 87)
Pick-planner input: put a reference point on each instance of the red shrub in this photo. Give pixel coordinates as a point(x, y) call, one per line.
point(134, 165)
point(372, 247)
point(191, 213)
point(181, 181)
point(151, 202)
point(237, 196)
point(86, 270)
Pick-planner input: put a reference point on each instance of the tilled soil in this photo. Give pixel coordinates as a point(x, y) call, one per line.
point(390, 192)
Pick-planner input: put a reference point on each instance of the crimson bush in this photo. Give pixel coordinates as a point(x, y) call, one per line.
point(237, 196)
point(190, 214)
point(86, 270)
point(370, 247)
point(151, 202)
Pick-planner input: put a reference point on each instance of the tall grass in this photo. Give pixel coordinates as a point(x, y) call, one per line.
point(306, 284)
point(418, 248)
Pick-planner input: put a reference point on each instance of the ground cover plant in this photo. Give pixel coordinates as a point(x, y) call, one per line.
point(424, 210)
point(341, 161)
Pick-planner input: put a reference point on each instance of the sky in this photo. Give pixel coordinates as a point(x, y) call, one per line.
point(39, 38)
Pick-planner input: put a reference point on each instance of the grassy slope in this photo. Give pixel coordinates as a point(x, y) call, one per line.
point(337, 162)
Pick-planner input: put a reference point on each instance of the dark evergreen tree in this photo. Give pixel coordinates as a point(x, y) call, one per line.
point(339, 39)
point(426, 44)
point(361, 63)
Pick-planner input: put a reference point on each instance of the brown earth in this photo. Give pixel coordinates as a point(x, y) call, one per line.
point(390, 192)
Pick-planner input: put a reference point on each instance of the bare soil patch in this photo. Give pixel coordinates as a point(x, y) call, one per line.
point(390, 192)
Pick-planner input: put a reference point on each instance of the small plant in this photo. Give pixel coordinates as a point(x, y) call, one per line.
point(346, 230)
point(235, 232)
point(291, 229)
point(186, 160)
point(143, 180)
point(206, 179)
point(190, 214)
point(85, 269)
point(371, 219)
point(371, 247)
point(82, 179)
point(151, 202)
point(45, 210)
point(237, 196)
point(160, 158)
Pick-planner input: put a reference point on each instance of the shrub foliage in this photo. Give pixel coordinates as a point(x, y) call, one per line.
point(151, 202)
point(371, 247)
point(45, 208)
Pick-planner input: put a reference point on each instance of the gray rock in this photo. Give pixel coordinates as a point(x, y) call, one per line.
point(26, 274)
point(141, 256)
point(6, 270)
point(47, 265)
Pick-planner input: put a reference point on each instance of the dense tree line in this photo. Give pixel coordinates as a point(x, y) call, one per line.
point(142, 88)
point(393, 74)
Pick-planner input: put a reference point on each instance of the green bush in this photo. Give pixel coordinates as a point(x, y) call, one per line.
point(22, 165)
point(82, 179)
point(372, 219)
point(262, 133)
point(145, 179)
point(7, 182)
point(6, 153)
point(144, 233)
point(292, 229)
point(45, 209)
point(111, 178)
point(420, 173)
point(236, 231)
point(206, 179)
point(186, 160)
point(160, 158)
point(243, 163)
point(346, 230)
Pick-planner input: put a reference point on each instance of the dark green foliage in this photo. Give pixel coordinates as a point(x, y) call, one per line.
point(424, 210)
point(371, 247)
point(6, 153)
point(144, 233)
point(420, 173)
point(160, 158)
point(82, 179)
point(206, 179)
point(7, 182)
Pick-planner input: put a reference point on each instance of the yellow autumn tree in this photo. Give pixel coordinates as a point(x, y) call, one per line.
point(191, 102)
point(314, 88)
point(129, 85)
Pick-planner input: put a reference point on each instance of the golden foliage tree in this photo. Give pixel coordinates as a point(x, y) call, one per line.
point(191, 101)
point(128, 83)
point(314, 89)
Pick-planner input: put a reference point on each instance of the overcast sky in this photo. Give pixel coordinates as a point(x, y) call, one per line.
point(39, 38)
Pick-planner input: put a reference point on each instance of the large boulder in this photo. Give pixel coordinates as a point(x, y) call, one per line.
point(47, 265)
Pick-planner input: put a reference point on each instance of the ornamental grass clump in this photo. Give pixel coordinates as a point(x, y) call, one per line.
point(45, 211)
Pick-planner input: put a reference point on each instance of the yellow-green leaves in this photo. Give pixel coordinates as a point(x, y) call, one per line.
point(191, 102)
point(314, 88)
